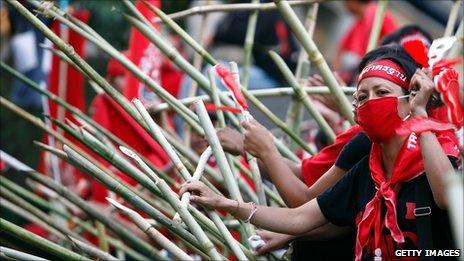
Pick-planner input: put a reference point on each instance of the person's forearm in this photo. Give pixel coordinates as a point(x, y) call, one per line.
point(326, 232)
point(292, 221)
point(293, 191)
point(332, 176)
point(437, 166)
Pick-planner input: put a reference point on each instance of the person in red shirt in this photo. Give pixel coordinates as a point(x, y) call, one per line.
point(353, 44)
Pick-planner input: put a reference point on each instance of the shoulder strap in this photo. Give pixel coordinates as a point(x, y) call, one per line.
point(423, 214)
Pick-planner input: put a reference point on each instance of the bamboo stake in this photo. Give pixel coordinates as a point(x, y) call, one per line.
point(118, 229)
point(452, 18)
point(37, 201)
point(186, 216)
point(213, 140)
point(15, 254)
point(202, 81)
point(252, 161)
point(112, 52)
point(130, 197)
point(315, 56)
point(93, 251)
point(219, 154)
point(79, 114)
point(64, 231)
point(151, 231)
point(7, 204)
point(295, 111)
point(309, 105)
point(231, 7)
point(377, 25)
point(249, 41)
point(282, 91)
point(201, 165)
point(39, 242)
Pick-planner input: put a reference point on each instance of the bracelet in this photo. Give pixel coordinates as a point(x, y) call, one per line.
point(236, 208)
point(254, 209)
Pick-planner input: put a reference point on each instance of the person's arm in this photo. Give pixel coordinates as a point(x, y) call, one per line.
point(297, 220)
point(436, 163)
point(258, 141)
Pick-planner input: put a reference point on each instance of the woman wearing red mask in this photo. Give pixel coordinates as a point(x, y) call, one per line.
point(388, 193)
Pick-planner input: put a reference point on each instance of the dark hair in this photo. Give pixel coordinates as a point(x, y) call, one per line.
point(398, 55)
point(396, 36)
point(394, 53)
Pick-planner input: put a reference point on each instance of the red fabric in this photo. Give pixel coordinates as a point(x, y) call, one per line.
point(146, 56)
point(379, 118)
point(387, 70)
point(230, 82)
point(408, 165)
point(447, 83)
point(422, 124)
point(36, 229)
point(410, 206)
point(74, 90)
point(110, 115)
point(314, 167)
point(356, 39)
point(417, 49)
point(114, 68)
point(211, 107)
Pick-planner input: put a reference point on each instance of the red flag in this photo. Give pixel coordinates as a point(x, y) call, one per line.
point(147, 57)
point(74, 88)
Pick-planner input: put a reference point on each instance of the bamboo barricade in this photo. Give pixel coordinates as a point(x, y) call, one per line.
point(203, 81)
point(233, 7)
point(113, 185)
point(39, 242)
point(377, 25)
point(315, 57)
point(295, 111)
point(303, 97)
point(9, 253)
point(452, 18)
point(42, 203)
point(252, 161)
point(248, 45)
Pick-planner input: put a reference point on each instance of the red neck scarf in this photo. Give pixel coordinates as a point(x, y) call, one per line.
point(407, 166)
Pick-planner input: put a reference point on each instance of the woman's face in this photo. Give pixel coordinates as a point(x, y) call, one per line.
point(376, 87)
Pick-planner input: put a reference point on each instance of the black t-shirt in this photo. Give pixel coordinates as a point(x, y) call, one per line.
point(344, 203)
point(341, 248)
point(356, 149)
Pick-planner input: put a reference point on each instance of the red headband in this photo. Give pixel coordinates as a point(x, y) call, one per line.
point(387, 70)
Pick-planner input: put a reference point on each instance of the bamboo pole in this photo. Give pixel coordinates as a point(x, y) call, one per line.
point(39, 242)
point(93, 251)
point(249, 41)
point(452, 18)
point(282, 91)
point(377, 25)
point(202, 81)
point(232, 7)
point(118, 229)
point(37, 201)
point(151, 231)
point(315, 56)
point(124, 192)
point(309, 105)
point(295, 111)
point(64, 231)
point(15, 254)
point(252, 161)
point(78, 114)
point(100, 42)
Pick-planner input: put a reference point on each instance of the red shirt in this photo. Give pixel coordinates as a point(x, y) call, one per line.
point(314, 167)
point(356, 39)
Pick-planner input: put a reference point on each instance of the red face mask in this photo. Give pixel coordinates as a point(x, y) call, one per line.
point(379, 118)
